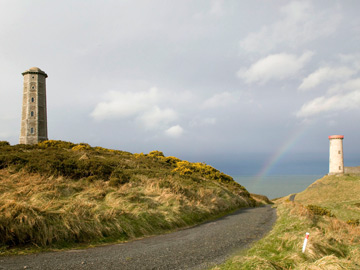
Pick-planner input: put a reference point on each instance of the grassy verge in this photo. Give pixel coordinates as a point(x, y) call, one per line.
point(59, 195)
point(334, 243)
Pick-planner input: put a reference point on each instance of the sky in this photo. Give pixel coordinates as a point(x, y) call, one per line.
point(249, 87)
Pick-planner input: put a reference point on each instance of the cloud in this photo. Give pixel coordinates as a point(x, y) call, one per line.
point(125, 104)
point(143, 106)
point(220, 100)
point(347, 86)
point(206, 121)
point(275, 67)
point(174, 131)
point(333, 103)
point(217, 7)
point(299, 23)
point(156, 117)
point(325, 74)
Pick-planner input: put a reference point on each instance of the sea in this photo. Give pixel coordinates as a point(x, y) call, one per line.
point(275, 186)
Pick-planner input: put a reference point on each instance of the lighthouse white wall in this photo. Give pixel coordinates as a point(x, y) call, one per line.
point(336, 157)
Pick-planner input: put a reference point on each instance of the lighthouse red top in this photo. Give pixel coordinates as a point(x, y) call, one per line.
point(336, 137)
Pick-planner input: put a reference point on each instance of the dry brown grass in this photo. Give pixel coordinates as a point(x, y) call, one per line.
point(333, 244)
point(54, 211)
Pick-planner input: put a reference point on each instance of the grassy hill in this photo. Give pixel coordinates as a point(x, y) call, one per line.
point(58, 194)
point(339, 193)
point(329, 210)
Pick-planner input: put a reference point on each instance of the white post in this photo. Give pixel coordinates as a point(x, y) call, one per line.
point(305, 242)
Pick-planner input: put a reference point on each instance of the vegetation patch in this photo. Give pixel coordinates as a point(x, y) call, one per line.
point(319, 211)
point(334, 242)
point(58, 194)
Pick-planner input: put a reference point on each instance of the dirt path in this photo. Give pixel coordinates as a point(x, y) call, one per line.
point(196, 248)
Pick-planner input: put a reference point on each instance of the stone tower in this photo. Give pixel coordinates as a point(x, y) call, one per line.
point(336, 160)
point(33, 117)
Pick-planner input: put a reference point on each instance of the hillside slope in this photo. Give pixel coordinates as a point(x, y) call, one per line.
point(329, 210)
point(340, 193)
point(59, 194)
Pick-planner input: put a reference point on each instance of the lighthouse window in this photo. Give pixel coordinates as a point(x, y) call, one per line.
point(32, 113)
point(32, 99)
point(32, 130)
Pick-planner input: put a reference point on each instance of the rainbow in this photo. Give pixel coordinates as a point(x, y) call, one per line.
point(279, 153)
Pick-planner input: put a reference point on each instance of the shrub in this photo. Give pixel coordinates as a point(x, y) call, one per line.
point(171, 160)
point(156, 154)
point(353, 222)
point(56, 144)
point(319, 211)
point(188, 168)
point(81, 147)
point(119, 177)
point(141, 155)
point(4, 143)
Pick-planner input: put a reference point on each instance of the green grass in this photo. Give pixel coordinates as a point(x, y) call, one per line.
point(59, 195)
point(339, 193)
point(333, 244)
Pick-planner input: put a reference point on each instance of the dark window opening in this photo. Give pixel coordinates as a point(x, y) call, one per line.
point(32, 99)
point(32, 130)
point(32, 113)
point(339, 167)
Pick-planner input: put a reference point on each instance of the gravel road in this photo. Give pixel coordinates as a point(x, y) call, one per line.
point(199, 247)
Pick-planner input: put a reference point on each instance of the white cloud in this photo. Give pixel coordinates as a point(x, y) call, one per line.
point(347, 86)
point(174, 131)
point(217, 7)
point(125, 104)
point(326, 74)
point(143, 106)
point(157, 117)
point(330, 104)
point(207, 121)
point(220, 100)
point(299, 24)
point(275, 67)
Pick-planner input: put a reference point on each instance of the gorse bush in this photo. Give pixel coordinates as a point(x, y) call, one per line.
point(56, 144)
point(4, 143)
point(188, 168)
point(354, 222)
point(156, 154)
point(81, 146)
point(319, 211)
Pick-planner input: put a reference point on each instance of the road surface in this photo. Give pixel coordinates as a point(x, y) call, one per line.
point(199, 247)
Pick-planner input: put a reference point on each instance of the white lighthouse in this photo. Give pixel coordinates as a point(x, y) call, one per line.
point(336, 157)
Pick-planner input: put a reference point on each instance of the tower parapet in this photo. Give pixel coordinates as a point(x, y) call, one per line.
point(336, 155)
point(34, 116)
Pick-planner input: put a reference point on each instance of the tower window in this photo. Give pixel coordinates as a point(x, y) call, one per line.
point(339, 152)
point(32, 113)
point(339, 167)
point(32, 99)
point(32, 130)
point(32, 87)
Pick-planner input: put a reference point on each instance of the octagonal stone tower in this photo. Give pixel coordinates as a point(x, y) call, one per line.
point(336, 157)
point(34, 117)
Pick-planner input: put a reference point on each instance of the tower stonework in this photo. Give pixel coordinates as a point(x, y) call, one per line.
point(336, 157)
point(34, 117)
